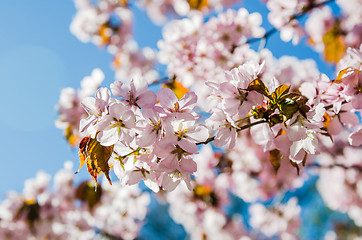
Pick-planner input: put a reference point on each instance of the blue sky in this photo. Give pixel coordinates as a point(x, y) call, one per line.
point(38, 57)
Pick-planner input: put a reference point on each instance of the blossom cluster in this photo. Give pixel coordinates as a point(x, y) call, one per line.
point(72, 212)
point(195, 51)
point(328, 32)
point(264, 117)
point(159, 11)
point(70, 108)
point(107, 23)
point(152, 136)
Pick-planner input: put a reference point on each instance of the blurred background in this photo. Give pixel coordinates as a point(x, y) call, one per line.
point(39, 56)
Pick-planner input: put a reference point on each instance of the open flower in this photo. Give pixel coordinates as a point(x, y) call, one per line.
point(136, 94)
point(185, 133)
point(96, 108)
point(117, 126)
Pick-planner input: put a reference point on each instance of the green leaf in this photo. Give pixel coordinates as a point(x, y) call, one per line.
point(291, 103)
point(279, 92)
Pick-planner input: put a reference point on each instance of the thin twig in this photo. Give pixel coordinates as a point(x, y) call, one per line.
point(210, 139)
point(356, 167)
point(295, 16)
point(109, 236)
point(160, 80)
point(331, 106)
point(251, 124)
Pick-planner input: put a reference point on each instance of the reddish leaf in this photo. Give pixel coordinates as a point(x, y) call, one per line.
point(30, 210)
point(83, 151)
point(96, 156)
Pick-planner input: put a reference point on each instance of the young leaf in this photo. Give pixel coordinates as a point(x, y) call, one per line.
point(103, 33)
point(274, 158)
point(206, 194)
point(85, 192)
point(279, 92)
point(198, 4)
point(177, 88)
point(287, 106)
point(259, 86)
point(291, 103)
point(31, 211)
point(334, 47)
point(71, 138)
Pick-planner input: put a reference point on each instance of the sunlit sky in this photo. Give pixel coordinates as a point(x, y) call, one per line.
point(38, 57)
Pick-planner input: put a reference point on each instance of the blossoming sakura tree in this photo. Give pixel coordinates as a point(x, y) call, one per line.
point(227, 124)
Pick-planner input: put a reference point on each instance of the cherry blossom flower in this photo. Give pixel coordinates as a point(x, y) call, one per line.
point(118, 125)
point(96, 108)
point(136, 94)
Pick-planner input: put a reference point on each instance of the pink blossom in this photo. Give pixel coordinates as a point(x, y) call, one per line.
point(96, 108)
point(225, 129)
point(117, 125)
point(171, 104)
point(153, 129)
point(185, 133)
point(233, 92)
point(136, 94)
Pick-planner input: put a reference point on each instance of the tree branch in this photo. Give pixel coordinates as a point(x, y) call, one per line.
point(356, 167)
point(293, 17)
point(210, 139)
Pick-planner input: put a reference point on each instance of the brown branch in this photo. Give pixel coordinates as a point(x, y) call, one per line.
point(356, 167)
point(160, 80)
point(210, 139)
point(330, 106)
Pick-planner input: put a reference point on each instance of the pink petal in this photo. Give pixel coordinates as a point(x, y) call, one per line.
point(188, 100)
point(89, 105)
point(188, 166)
point(200, 135)
point(357, 101)
point(355, 139)
point(117, 89)
point(147, 99)
point(187, 145)
point(108, 137)
point(167, 98)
